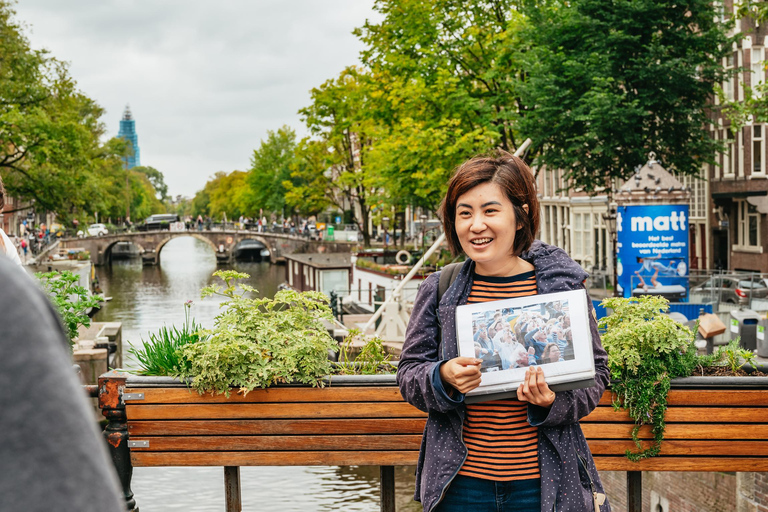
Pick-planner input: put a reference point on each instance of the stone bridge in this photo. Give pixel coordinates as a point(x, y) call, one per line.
point(151, 243)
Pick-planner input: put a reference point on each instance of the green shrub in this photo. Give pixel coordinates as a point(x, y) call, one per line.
point(161, 354)
point(646, 349)
point(731, 356)
point(256, 343)
point(372, 359)
point(70, 300)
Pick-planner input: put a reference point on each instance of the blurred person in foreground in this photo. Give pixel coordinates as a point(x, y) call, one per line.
point(6, 246)
point(52, 456)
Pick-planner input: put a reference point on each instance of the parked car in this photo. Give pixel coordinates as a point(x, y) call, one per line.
point(159, 221)
point(97, 230)
point(730, 289)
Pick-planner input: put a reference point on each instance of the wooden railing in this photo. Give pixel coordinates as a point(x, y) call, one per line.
point(160, 423)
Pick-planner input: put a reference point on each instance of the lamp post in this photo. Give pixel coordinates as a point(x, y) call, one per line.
point(385, 225)
point(610, 221)
point(423, 229)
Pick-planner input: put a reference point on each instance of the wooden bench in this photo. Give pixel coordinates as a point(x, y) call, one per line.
point(364, 421)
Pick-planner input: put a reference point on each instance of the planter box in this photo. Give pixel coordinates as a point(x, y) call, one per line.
point(713, 424)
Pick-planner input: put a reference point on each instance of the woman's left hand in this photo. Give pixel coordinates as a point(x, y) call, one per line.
point(534, 389)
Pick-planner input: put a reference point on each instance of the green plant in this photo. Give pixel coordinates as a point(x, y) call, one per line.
point(372, 358)
point(161, 354)
point(732, 356)
point(646, 349)
point(71, 300)
point(259, 342)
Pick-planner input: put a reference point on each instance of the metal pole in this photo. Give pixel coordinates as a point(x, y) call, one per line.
point(387, 488)
point(232, 489)
point(634, 491)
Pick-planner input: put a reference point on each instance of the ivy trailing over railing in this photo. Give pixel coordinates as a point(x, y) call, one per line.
point(646, 350)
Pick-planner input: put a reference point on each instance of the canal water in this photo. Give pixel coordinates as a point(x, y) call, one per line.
point(146, 298)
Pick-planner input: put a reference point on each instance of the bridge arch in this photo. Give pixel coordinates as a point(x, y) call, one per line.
point(178, 234)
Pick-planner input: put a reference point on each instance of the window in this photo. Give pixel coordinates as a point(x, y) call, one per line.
point(748, 226)
point(582, 238)
point(758, 149)
point(728, 168)
point(737, 157)
point(730, 77)
point(758, 69)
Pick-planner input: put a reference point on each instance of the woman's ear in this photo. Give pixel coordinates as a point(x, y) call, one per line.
point(525, 209)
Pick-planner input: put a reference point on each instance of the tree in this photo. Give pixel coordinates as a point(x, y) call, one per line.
point(50, 151)
point(336, 117)
point(608, 82)
point(442, 75)
point(156, 178)
point(270, 169)
point(310, 190)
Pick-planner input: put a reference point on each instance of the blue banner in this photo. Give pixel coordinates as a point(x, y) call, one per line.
point(652, 248)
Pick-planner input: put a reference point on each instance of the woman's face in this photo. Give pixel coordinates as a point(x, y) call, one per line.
point(554, 354)
point(486, 227)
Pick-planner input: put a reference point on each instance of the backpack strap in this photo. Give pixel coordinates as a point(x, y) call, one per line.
point(447, 276)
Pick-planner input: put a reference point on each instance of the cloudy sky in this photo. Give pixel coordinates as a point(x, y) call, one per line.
point(204, 80)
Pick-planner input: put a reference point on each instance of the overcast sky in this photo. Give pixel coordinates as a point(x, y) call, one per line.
point(204, 80)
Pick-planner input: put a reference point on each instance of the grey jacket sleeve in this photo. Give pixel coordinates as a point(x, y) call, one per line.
point(571, 406)
point(419, 360)
point(51, 455)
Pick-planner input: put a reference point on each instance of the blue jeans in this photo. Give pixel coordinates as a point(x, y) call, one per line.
point(467, 494)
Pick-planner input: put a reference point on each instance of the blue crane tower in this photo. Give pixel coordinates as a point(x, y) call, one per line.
point(128, 132)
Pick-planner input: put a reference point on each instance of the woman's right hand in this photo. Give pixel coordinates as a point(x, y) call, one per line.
point(463, 373)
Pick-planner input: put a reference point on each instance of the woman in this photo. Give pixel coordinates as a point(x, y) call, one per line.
point(491, 213)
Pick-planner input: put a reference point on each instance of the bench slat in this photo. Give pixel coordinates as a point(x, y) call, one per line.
point(315, 458)
point(279, 443)
point(670, 448)
point(678, 431)
point(682, 464)
point(693, 397)
point(271, 395)
point(235, 427)
point(235, 411)
point(688, 415)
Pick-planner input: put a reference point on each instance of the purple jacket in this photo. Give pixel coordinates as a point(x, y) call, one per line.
point(563, 487)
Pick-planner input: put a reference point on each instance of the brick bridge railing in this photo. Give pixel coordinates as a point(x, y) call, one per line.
point(151, 243)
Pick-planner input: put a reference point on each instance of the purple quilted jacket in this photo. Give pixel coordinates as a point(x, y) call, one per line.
point(561, 442)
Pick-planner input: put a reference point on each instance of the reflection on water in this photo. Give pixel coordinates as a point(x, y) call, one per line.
point(146, 298)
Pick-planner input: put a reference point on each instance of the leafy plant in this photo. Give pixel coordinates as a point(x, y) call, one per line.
point(71, 300)
point(372, 358)
point(161, 354)
point(646, 349)
point(732, 356)
point(259, 342)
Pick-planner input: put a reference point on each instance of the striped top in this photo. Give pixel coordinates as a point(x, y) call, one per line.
point(501, 444)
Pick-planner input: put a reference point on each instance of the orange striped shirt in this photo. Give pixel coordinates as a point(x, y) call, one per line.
point(501, 444)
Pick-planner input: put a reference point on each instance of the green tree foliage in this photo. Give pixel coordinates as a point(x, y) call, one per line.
point(224, 194)
point(442, 74)
point(157, 180)
point(310, 190)
point(50, 132)
point(71, 300)
point(608, 82)
point(337, 118)
point(270, 169)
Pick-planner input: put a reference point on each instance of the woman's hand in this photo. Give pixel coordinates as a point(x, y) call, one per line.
point(462, 373)
point(534, 389)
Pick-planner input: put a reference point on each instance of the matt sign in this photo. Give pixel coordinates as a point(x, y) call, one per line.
point(652, 248)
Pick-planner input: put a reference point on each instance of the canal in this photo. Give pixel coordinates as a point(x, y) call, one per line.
point(146, 298)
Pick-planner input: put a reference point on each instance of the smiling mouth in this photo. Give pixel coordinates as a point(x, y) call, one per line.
point(481, 241)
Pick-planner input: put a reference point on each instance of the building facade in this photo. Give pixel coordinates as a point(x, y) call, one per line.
point(128, 132)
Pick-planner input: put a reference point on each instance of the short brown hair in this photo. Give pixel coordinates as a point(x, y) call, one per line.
point(516, 181)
